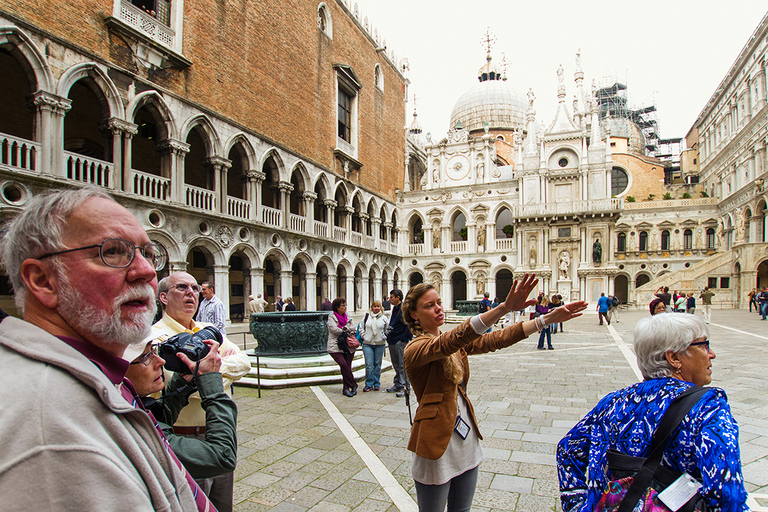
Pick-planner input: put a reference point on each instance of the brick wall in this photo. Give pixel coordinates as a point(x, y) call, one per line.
point(264, 65)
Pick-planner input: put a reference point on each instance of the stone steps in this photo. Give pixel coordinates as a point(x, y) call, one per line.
point(285, 372)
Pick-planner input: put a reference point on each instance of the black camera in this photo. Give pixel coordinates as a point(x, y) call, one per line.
point(191, 345)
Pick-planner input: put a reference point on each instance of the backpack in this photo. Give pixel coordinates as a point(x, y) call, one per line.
point(360, 332)
point(484, 305)
point(615, 301)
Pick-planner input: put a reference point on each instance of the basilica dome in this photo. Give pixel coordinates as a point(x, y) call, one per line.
point(625, 128)
point(492, 100)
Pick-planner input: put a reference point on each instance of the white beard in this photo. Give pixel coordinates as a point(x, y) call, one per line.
point(101, 325)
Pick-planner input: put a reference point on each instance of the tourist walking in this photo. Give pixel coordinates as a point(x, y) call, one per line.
point(445, 439)
point(556, 302)
point(372, 329)
point(690, 305)
point(602, 308)
point(542, 309)
point(706, 303)
point(338, 322)
point(397, 338)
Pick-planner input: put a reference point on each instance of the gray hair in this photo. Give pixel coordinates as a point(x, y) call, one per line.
point(655, 335)
point(39, 229)
point(164, 285)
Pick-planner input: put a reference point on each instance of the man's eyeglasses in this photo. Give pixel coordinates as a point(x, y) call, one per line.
point(184, 287)
point(119, 253)
point(146, 358)
point(705, 343)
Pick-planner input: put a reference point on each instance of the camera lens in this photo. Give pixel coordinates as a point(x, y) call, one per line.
point(209, 333)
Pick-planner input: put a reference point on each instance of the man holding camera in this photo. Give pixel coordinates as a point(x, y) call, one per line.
point(179, 294)
point(84, 275)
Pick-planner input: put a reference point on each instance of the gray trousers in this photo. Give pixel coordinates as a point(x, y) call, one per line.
point(396, 355)
point(457, 494)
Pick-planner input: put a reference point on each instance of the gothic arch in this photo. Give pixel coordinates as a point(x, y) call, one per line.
point(322, 179)
point(302, 172)
point(210, 245)
point(156, 100)
point(241, 139)
point(171, 246)
point(306, 259)
point(280, 256)
point(246, 249)
point(275, 155)
point(29, 56)
point(211, 140)
point(100, 78)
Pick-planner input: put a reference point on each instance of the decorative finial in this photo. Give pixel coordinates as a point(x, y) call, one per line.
point(488, 40)
point(504, 65)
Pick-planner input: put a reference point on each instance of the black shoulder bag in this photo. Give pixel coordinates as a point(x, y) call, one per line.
point(647, 472)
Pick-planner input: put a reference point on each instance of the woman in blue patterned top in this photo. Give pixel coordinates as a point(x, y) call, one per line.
point(673, 353)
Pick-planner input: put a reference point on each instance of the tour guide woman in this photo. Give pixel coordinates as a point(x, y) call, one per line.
point(445, 437)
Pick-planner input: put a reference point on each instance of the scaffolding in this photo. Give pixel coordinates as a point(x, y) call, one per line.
point(612, 101)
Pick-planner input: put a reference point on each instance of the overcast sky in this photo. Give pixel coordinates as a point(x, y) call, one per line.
point(672, 54)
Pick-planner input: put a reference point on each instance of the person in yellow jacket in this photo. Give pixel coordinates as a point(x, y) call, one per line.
point(179, 294)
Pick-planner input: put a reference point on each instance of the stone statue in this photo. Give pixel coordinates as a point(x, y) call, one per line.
point(481, 235)
point(436, 238)
point(480, 285)
point(565, 262)
point(531, 97)
point(533, 253)
point(436, 283)
point(597, 252)
point(739, 224)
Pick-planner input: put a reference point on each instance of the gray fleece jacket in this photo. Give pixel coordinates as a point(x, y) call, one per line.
point(70, 441)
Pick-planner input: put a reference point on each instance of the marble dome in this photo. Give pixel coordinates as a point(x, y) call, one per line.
point(494, 101)
point(623, 127)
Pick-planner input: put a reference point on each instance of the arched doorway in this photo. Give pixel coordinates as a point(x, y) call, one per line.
point(341, 283)
point(299, 284)
point(239, 285)
point(271, 282)
point(621, 288)
point(762, 274)
point(415, 279)
point(504, 280)
point(641, 279)
point(322, 292)
point(459, 287)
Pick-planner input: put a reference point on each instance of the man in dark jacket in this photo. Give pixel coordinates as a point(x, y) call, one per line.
point(397, 338)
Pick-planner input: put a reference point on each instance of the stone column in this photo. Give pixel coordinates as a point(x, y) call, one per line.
point(755, 224)
point(376, 231)
point(285, 202)
point(286, 283)
point(122, 134)
point(472, 238)
point(177, 266)
point(330, 205)
point(311, 291)
point(257, 282)
point(332, 292)
point(221, 282)
point(58, 160)
point(309, 210)
point(255, 179)
point(175, 151)
point(220, 167)
point(347, 222)
point(364, 219)
point(49, 116)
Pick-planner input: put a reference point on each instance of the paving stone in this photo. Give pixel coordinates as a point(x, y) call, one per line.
point(509, 483)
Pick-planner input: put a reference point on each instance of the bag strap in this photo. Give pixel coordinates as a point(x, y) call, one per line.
point(673, 416)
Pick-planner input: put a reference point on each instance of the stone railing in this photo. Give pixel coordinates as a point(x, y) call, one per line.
point(393, 247)
point(321, 229)
point(612, 204)
point(271, 216)
point(339, 234)
point(356, 239)
point(88, 170)
point(383, 245)
point(416, 248)
point(146, 24)
point(151, 186)
point(239, 208)
point(460, 246)
point(200, 198)
point(18, 153)
point(671, 203)
point(504, 244)
point(297, 223)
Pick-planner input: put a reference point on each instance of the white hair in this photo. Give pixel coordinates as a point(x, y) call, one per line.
point(39, 229)
point(657, 334)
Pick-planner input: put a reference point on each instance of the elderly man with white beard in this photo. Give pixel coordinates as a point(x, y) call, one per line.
point(84, 275)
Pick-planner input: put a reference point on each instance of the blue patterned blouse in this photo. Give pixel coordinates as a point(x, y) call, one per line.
point(705, 445)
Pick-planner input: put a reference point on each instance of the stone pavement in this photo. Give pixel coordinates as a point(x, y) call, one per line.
point(293, 456)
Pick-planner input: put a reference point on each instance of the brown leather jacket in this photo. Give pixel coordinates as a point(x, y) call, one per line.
point(436, 416)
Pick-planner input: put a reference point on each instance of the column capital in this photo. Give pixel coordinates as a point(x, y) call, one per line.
point(330, 203)
point(218, 161)
point(173, 146)
point(52, 102)
point(285, 186)
point(309, 196)
point(255, 175)
point(118, 126)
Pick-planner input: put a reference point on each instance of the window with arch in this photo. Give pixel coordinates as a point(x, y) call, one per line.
point(619, 181)
point(459, 229)
point(621, 242)
point(347, 87)
point(378, 77)
point(665, 240)
point(324, 20)
point(643, 240)
point(687, 239)
point(711, 238)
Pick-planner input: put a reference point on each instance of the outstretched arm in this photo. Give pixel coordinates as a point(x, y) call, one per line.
point(517, 299)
